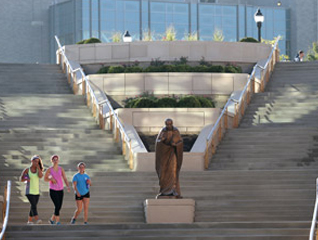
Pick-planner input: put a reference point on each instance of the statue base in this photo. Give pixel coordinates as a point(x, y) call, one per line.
point(169, 210)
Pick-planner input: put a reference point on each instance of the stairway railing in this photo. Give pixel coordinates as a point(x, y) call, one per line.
point(240, 105)
point(313, 228)
point(6, 208)
point(92, 100)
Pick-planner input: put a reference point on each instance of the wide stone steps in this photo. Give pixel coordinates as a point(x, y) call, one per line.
point(220, 196)
point(217, 231)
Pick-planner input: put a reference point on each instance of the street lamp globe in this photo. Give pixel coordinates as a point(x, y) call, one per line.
point(258, 16)
point(259, 19)
point(127, 37)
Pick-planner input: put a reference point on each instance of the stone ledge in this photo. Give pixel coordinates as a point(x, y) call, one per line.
point(169, 210)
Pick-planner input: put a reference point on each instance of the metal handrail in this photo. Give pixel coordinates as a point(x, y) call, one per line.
point(314, 217)
point(6, 217)
point(121, 128)
point(258, 66)
point(252, 75)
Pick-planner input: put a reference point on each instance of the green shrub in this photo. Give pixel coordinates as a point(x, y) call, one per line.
point(155, 69)
point(92, 40)
point(181, 61)
point(248, 39)
point(216, 69)
point(169, 68)
point(144, 103)
point(183, 68)
point(133, 69)
point(238, 69)
point(116, 69)
point(230, 69)
point(157, 62)
point(167, 102)
point(205, 102)
point(203, 62)
point(81, 42)
point(129, 103)
point(200, 68)
point(189, 102)
point(103, 69)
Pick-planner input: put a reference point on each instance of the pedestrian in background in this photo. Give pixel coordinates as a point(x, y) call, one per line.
point(300, 56)
point(55, 176)
point(32, 176)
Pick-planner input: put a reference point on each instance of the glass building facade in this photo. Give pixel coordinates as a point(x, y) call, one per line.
point(75, 20)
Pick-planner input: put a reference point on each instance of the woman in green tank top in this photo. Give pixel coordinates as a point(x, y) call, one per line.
point(31, 176)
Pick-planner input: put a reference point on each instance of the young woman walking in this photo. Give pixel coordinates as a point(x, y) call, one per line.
point(81, 184)
point(55, 176)
point(31, 176)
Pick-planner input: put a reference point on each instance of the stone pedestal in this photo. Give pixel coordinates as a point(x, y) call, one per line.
point(169, 210)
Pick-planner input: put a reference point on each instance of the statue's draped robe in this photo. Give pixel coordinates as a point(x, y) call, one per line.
point(169, 161)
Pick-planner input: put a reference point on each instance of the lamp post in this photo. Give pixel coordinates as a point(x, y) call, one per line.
point(259, 19)
point(127, 37)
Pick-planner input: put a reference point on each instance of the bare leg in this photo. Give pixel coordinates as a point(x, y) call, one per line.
point(79, 204)
point(53, 218)
point(86, 204)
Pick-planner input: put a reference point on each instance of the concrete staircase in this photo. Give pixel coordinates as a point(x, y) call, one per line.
point(241, 202)
point(279, 130)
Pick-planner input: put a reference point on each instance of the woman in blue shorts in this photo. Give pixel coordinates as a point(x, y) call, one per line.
point(81, 184)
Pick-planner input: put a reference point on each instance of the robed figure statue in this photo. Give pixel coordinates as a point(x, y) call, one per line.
point(169, 154)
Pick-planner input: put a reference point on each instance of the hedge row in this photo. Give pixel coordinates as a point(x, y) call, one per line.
point(170, 102)
point(170, 68)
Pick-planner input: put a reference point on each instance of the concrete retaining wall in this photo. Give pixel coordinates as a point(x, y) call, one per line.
point(167, 51)
point(151, 120)
point(169, 83)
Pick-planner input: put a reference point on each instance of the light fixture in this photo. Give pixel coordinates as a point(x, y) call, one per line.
point(279, 3)
point(127, 37)
point(259, 19)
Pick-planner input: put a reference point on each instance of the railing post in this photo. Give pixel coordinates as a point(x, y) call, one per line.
point(4, 204)
point(88, 98)
point(83, 86)
point(253, 84)
point(74, 83)
point(213, 146)
point(248, 97)
point(59, 57)
point(94, 108)
point(131, 157)
point(220, 132)
point(206, 156)
point(68, 75)
point(116, 132)
point(235, 122)
point(226, 120)
point(101, 117)
point(110, 120)
point(64, 66)
point(123, 144)
point(242, 106)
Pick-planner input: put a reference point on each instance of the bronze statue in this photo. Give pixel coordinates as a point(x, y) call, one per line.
point(169, 154)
